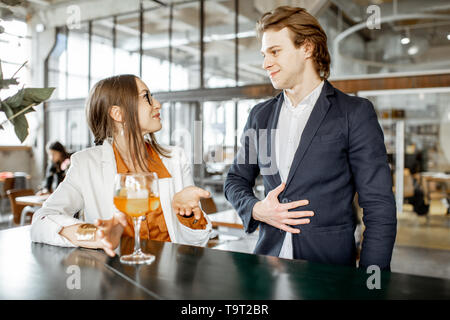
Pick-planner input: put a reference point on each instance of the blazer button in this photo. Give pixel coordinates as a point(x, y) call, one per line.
point(285, 200)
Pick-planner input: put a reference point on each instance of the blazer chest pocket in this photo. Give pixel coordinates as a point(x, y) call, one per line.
point(329, 138)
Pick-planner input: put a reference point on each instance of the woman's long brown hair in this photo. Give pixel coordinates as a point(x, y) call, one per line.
point(120, 91)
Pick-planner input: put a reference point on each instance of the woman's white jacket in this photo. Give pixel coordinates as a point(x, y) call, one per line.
point(88, 188)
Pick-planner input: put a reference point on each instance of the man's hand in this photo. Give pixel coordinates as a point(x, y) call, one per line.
point(187, 200)
point(109, 232)
point(272, 212)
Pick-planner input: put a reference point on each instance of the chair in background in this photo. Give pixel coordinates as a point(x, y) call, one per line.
point(17, 209)
point(16, 180)
point(8, 184)
point(20, 180)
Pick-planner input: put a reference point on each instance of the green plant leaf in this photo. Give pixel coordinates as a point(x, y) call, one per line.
point(21, 127)
point(12, 2)
point(16, 106)
point(5, 83)
point(15, 101)
point(36, 95)
point(7, 109)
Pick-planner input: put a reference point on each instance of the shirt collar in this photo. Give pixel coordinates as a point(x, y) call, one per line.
point(310, 100)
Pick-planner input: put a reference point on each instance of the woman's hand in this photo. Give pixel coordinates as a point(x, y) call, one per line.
point(107, 236)
point(187, 200)
point(109, 232)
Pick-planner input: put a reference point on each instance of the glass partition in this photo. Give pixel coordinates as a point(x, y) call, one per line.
point(185, 43)
point(219, 38)
point(102, 53)
point(78, 62)
point(416, 126)
point(126, 50)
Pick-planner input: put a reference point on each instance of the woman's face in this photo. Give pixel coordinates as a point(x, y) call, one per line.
point(148, 109)
point(55, 156)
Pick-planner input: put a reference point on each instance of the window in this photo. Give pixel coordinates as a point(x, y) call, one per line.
point(163, 135)
point(78, 62)
point(57, 76)
point(14, 51)
point(219, 44)
point(218, 135)
point(155, 59)
point(77, 130)
point(126, 52)
point(102, 54)
point(57, 126)
point(185, 68)
point(250, 59)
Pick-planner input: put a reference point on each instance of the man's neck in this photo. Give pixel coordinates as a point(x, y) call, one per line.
point(304, 87)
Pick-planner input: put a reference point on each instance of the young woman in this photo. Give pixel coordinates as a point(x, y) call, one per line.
point(59, 163)
point(123, 118)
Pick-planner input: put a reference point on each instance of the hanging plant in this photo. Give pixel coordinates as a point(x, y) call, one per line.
point(16, 106)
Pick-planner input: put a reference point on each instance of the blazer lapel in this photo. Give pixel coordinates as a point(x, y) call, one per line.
point(315, 119)
point(272, 124)
point(109, 170)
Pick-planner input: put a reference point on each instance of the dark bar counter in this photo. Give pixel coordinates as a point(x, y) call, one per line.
point(38, 271)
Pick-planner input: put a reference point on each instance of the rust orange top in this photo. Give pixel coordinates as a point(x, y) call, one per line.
point(154, 227)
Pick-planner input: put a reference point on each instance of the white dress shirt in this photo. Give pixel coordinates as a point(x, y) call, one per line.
point(291, 123)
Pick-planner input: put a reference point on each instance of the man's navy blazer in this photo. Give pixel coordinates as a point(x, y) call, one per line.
point(341, 152)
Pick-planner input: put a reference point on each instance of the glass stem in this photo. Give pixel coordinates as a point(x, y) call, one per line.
point(137, 235)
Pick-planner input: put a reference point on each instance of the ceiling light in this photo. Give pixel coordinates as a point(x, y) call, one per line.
point(40, 27)
point(405, 37)
point(413, 50)
point(405, 40)
point(448, 36)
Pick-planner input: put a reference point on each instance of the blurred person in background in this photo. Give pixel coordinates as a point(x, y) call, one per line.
point(59, 162)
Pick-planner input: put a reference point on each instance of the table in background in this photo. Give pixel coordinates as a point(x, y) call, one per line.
point(38, 271)
point(226, 218)
point(5, 175)
point(440, 177)
point(35, 200)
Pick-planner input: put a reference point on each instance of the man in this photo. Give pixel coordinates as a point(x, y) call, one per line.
point(315, 147)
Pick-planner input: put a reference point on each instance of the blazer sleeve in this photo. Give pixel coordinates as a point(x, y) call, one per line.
point(238, 186)
point(369, 165)
point(58, 210)
point(185, 169)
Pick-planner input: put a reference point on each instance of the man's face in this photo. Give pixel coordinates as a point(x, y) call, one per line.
point(283, 62)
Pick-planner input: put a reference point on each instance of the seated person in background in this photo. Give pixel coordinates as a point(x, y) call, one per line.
point(59, 162)
point(123, 117)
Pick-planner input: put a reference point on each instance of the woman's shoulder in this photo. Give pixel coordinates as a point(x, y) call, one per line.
point(91, 153)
